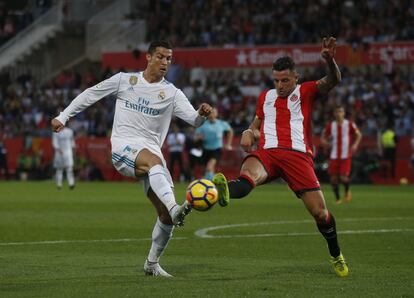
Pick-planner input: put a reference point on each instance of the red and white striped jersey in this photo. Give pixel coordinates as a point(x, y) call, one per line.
point(341, 138)
point(286, 121)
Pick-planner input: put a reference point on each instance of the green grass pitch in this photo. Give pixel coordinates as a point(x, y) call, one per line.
point(92, 242)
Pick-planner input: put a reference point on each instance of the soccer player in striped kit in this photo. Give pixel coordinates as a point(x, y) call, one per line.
point(343, 137)
point(145, 104)
point(282, 127)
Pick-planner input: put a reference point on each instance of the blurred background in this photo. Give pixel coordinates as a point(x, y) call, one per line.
point(50, 51)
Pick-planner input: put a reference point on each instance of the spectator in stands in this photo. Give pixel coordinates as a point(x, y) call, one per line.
point(230, 23)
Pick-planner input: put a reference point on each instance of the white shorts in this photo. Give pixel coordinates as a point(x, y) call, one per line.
point(63, 160)
point(125, 153)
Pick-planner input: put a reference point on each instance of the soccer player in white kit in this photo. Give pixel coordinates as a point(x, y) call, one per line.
point(145, 105)
point(64, 143)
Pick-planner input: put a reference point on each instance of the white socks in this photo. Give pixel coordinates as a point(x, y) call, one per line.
point(161, 186)
point(59, 177)
point(70, 176)
point(161, 234)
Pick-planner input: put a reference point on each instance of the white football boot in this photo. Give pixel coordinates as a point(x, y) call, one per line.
point(179, 213)
point(154, 269)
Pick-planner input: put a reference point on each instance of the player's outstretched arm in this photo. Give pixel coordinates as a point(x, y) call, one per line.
point(325, 140)
point(57, 126)
point(205, 110)
point(251, 135)
point(85, 99)
point(358, 137)
point(333, 76)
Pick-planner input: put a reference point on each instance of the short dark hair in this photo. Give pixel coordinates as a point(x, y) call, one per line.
point(283, 63)
point(159, 43)
point(339, 106)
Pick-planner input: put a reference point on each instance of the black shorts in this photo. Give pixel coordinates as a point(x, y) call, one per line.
point(209, 154)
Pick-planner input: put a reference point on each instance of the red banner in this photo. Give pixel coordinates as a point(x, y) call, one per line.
point(304, 55)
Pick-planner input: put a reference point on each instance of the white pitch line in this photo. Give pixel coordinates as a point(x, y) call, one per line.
point(293, 234)
point(204, 233)
point(81, 241)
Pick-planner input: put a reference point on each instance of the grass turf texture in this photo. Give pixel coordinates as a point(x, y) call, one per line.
point(381, 263)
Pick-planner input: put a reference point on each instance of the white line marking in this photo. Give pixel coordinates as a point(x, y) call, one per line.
point(82, 241)
point(204, 233)
point(307, 234)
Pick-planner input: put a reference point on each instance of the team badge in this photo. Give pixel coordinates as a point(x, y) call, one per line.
point(294, 97)
point(133, 80)
point(161, 95)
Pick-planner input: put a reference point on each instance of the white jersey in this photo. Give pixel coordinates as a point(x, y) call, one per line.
point(143, 110)
point(64, 140)
point(63, 143)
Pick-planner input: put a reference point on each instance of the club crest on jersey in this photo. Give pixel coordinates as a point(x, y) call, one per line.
point(294, 98)
point(161, 95)
point(133, 80)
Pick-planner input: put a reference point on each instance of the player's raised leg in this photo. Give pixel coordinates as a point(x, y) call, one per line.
point(252, 173)
point(325, 221)
point(158, 178)
point(161, 235)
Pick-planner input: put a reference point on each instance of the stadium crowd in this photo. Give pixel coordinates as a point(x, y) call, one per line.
point(245, 22)
point(371, 99)
point(17, 15)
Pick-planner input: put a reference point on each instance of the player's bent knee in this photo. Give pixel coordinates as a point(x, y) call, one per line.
point(320, 215)
point(253, 168)
point(145, 161)
point(344, 179)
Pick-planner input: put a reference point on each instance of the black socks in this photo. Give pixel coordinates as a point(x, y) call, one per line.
point(328, 231)
point(335, 188)
point(240, 187)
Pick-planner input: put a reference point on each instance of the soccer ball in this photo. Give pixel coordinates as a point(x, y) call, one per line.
point(202, 194)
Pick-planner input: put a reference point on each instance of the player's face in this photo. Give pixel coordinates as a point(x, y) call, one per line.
point(160, 61)
point(339, 114)
point(285, 82)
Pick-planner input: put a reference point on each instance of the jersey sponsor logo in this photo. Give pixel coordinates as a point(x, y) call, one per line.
point(294, 98)
point(143, 108)
point(161, 95)
point(133, 80)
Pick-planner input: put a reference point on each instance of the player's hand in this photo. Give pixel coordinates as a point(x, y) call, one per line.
point(326, 145)
point(354, 148)
point(205, 109)
point(247, 140)
point(328, 48)
point(56, 125)
point(228, 147)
